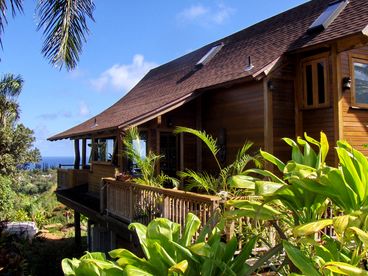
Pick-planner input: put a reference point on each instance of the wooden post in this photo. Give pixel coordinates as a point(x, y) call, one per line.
point(84, 153)
point(199, 127)
point(77, 154)
point(77, 228)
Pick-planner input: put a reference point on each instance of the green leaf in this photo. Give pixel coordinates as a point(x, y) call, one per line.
point(296, 155)
point(266, 173)
point(251, 209)
point(192, 224)
point(265, 188)
point(69, 266)
point(345, 269)
point(363, 236)
point(241, 182)
point(230, 249)
point(273, 159)
point(311, 228)
point(201, 249)
point(304, 264)
point(239, 262)
point(135, 271)
point(179, 267)
point(141, 231)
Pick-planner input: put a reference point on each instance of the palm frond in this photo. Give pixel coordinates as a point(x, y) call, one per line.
point(15, 6)
point(201, 181)
point(64, 25)
point(11, 85)
point(210, 142)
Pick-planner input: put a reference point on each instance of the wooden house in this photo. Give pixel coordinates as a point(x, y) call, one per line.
point(304, 70)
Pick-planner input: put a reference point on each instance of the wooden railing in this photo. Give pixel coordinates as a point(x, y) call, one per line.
point(141, 203)
point(67, 179)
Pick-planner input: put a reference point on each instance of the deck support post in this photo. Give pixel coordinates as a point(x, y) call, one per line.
point(77, 228)
point(77, 154)
point(84, 153)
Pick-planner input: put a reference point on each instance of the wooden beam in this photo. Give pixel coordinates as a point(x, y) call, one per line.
point(84, 153)
point(181, 148)
point(298, 100)
point(77, 154)
point(77, 228)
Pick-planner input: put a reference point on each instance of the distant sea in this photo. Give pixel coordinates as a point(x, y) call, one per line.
point(52, 162)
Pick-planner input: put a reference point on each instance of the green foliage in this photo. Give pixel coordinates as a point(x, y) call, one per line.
point(7, 198)
point(147, 164)
point(231, 178)
point(168, 252)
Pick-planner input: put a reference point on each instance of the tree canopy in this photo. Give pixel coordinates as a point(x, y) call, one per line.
point(16, 140)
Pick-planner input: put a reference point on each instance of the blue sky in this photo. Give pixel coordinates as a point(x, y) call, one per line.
point(127, 39)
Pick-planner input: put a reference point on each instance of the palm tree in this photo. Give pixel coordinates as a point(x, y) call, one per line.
point(64, 27)
point(10, 88)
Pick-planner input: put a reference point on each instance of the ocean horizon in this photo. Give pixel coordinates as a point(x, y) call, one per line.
point(52, 162)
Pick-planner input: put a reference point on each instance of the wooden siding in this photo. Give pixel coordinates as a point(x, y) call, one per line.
point(283, 99)
point(239, 111)
point(354, 120)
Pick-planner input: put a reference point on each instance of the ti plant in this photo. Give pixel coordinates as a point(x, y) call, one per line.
point(229, 178)
point(147, 164)
point(169, 251)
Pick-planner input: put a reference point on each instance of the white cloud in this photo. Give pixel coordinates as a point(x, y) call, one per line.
point(205, 15)
point(193, 12)
point(83, 109)
point(123, 76)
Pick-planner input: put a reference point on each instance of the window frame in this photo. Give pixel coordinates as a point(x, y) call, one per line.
point(359, 59)
point(313, 61)
point(95, 150)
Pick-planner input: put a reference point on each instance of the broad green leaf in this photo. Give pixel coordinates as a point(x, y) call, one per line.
point(251, 209)
point(125, 257)
point(186, 253)
point(345, 269)
point(192, 224)
point(363, 236)
point(341, 223)
point(141, 231)
point(304, 264)
point(135, 271)
point(265, 188)
point(350, 173)
point(230, 249)
point(273, 159)
point(266, 173)
point(296, 155)
point(310, 156)
point(88, 267)
point(241, 182)
point(311, 228)
point(69, 266)
point(201, 249)
point(163, 229)
point(94, 255)
point(179, 267)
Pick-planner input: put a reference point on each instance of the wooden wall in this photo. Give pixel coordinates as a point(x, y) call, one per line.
point(99, 171)
point(240, 112)
point(354, 120)
point(283, 103)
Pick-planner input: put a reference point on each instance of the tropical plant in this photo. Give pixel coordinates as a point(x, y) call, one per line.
point(170, 251)
point(64, 26)
point(146, 164)
point(230, 178)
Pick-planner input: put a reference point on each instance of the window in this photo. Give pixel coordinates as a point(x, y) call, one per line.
point(359, 95)
point(210, 54)
point(104, 150)
point(328, 16)
point(139, 146)
point(315, 83)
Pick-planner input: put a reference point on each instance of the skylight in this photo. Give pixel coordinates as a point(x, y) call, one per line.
point(210, 54)
point(328, 16)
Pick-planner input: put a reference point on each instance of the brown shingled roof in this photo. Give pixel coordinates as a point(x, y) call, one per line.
point(265, 42)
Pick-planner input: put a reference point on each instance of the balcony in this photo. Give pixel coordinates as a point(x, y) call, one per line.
point(140, 203)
